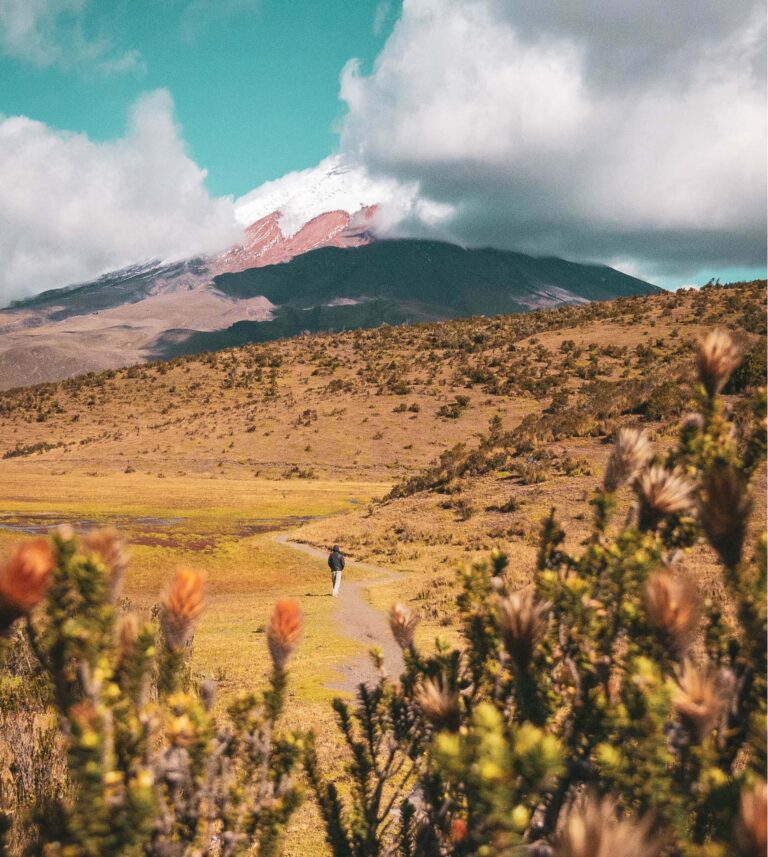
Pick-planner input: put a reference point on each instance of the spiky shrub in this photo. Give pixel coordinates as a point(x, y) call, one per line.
point(150, 768)
point(607, 709)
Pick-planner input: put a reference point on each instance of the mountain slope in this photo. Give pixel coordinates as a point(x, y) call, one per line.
point(395, 282)
point(326, 274)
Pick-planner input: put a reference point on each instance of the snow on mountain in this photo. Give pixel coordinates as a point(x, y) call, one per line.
point(334, 185)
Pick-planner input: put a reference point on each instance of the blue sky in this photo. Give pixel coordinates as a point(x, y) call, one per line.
point(618, 132)
point(255, 82)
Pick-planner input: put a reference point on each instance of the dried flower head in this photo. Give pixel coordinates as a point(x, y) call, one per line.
point(438, 704)
point(24, 580)
point(111, 550)
point(631, 453)
point(662, 492)
point(674, 609)
point(593, 828)
point(403, 622)
point(700, 697)
point(65, 533)
point(717, 357)
point(523, 621)
point(284, 631)
point(182, 604)
point(692, 424)
point(208, 694)
point(725, 511)
point(127, 635)
point(751, 826)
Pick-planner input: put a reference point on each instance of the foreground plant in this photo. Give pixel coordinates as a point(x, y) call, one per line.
point(608, 709)
point(150, 769)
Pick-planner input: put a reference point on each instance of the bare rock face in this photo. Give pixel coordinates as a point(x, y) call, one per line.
point(265, 243)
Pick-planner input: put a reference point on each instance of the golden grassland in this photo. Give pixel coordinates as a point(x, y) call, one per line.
point(213, 526)
point(320, 425)
point(200, 461)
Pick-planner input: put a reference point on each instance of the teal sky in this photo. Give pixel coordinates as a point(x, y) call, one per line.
point(255, 82)
point(485, 107)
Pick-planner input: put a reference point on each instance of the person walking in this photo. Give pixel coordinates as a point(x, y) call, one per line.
point(336, 565)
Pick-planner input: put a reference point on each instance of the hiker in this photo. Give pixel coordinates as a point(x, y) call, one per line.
point(336, 565)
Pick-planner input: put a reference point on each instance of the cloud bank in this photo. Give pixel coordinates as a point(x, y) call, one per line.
point(72, 208)
point(593, 130)
point(53, 32)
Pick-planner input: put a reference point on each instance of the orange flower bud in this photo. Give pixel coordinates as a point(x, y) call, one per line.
point(182, 604)
point(24, 580)
point(284, 631)
point(458, 830)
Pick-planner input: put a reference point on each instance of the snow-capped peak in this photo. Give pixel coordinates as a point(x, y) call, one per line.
point(333, 185)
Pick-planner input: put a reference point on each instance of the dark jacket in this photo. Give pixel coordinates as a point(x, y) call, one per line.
point(336, 560)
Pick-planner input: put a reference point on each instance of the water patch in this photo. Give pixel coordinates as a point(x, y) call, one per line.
point(153, 531)
point(42, 523)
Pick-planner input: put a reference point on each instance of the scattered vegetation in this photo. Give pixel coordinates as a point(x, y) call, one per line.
point(606, 708)
point(575, 371)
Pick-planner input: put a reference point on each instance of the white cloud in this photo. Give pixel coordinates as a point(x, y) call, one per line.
point(590, 129)
point(72, 208)
point(54, 32)
point(381, 16)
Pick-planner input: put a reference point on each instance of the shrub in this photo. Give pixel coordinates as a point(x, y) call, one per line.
point(751, 372)
point(149, 768)
point(453, 410)
point(604, 709)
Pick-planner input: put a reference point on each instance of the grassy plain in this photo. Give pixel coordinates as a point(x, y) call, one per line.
point(226, 528)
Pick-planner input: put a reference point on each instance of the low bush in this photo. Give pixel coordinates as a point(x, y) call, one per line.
point(606, 710)
point(147, 768)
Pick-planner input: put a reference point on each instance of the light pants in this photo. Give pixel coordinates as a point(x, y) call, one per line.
point(336, 580)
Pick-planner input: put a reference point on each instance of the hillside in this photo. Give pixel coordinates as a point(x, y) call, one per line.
point(157, 311)
point(538, 395)
point(376, 402)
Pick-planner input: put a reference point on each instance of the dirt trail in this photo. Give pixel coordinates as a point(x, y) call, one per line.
point(356, 619)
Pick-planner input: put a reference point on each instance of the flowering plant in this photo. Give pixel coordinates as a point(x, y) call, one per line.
point(606, 709)
point(150, 768)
